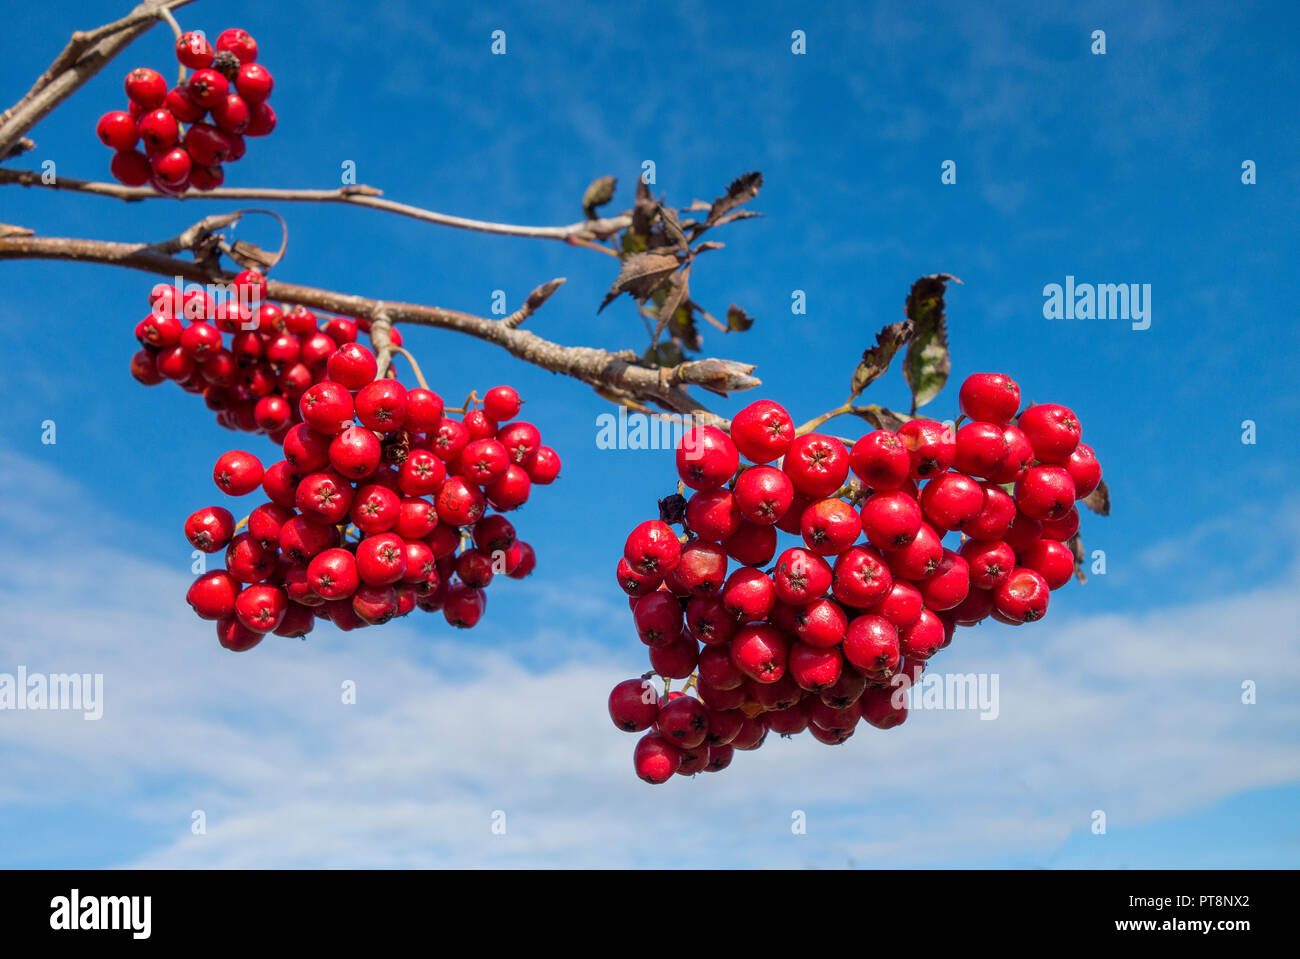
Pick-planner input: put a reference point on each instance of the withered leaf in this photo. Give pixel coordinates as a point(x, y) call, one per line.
point(672, 509)
point(876, 359)
point(882, 418)
point(1099, 499)
point(675, 290)
point(1076, 547)
point(742, 189)
point(738, 320)
point(683, 328)
point(672, 228)
point(926, 365)
point(641, 275)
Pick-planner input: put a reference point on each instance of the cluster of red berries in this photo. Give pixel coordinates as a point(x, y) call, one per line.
point(379, 506)
point(182, 149)
point(254, 380)
point(816, 642)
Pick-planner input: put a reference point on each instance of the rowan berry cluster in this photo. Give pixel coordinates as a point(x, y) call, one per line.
point(816, 640)
point(181, 149)
point(254, 379)
point(380, 506)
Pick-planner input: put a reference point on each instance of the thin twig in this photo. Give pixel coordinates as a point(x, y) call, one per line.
point(533, 303)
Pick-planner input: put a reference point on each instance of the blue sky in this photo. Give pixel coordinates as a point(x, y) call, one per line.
point(1117, 168)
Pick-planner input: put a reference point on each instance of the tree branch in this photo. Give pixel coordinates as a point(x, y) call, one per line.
point(359, 195)
point(85, 55)
point(618, 377)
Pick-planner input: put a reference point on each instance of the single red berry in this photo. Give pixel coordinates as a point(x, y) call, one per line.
point(210, 529)
point(375, 604)
point(919, 558)
point(995, 517)
point(880, 459)
point(1022, 531)
point(459, 503)
point(719, 758)
point(1084, 470)
point(981, 449)
point(658, 618)
point(266, 523)
point(839, 723)
point(423, 410)
point(709, 621)
point(208, 145)
point(237, 473)
point(146, 88)
point(247, 560)
point(724, 726)
point(713, 514)
point(656, 759)
point(1045, 492)
point(990, 562)
point(814, 668)
point(762, 431)
point(449, 440)
point(421, 567)
point(521, 560)
point(355, 452)
point(717, 669)
point(511, 490)
point(901, 606)
point(254, 82)
point(634, 705)
point(193, 50)
point(706, 458)
point(974, 609)
point(261, 607)
point(324, 497)
point(948, 584)
point(144, 369)
point(931, 447)
point(1051, 560)
point(816, 464)
point(652, 548)
point(181, 105)
point(422, 474)
point(923, 638)
point(883, 708)
point(760, 652)
point(381, 559)
point(752, 544)
point(117, 130)
point(1053, 431)
point(231, 114)
point(173, 167)
point(484, 461)
point(1022, 598)
point(1063, 528)
point(989, 397)
point(683, 721)
point(381, 405)
point(464, 606)
point(130, 168)
point(871, 643)
point(159, 131)
point(751, 735)
point(501, 403)
point(481, 426)
point(280, 483)
point(845, 691)
point(299, 620)
point(239, 42)
point(763, 494)
point(235, 636)
point(636, 584)
point(1020, 456)
point(207, 88)
point(544, 466)
point(333, 574)
point(212, 595)
point(801, 576)
point(702, 568)
point(951, 500)
point(353, 365)
point(417, 518)
point(891, 520)
point(829, 526)
point(327, 407)
point(861, 577)
point(748, 595)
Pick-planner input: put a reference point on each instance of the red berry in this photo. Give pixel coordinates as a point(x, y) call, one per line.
point(146, 88)
point(1062, 529)
point(501, 403)
point(422, 474)
point(717, 669)
point(247, 560)
point(752, 544)
point(117, 130)
point(762, 431)
point(860, 577)
point(423, 410)
point(1045, 492)
point(375, 604)
point(261, 607)
point(526, 562)
point(235, 636)
point(173, 167)
point(656, 759)
point(981, 449)
point(324, 497)
point(302, 538)
point(352, 365)
point(1020, 455)
point(254, 82)
point(1053, 431)
point(901, 606)
point(1084, 470)
point(652, 548)
point(995, 517)
point(464, 606)
point(181, 105)
point(208, 145)
point(814, 668)
point(237, 473)
point(931, 447)
point(830, 526)
point(880, 460)
point(948, 584)
point(231, 114)
point(159, 131)
point(266, 523)
point(381, 405)
point(327, 408)
point(760, 652)
point(210, 528)
point(684, 722)
point(748, 595)
point(951, 500)
point(355, 452)
point(261, 124)
point(702, 568)
point(193, 50)
point(801, 576)
point(919, 558)
point(459, 503)
point(706, 458)
point(990, 397)
point(633, 705)
point(212, 595)
point(144, 369)
point(871, 643)
point(1051, 560)
point(658, 618)
point(381, 559)
point(544, 466)
point(239, 42)
point(207, 88)
point(713, 515)
point(333, 574)
point(975, 608)
point(1023, 597)
point(923, 638)
point(816, 464)
point(891, 520)
point(990, 562)
point(883, 708)
point(763, 494)
point(130, 168)
point(719, 758)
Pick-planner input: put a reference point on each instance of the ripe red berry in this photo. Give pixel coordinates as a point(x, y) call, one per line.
point(951, 500)
point(159, 131)
point(1045, 492)
point(702, 568)
point(146, 88)
point(656, 759)
point(652, 548)
point(816, 464)
point(948, 584)
point(633, 705)
point(210, 529)
point(801, 576)
point(931, 447)
point(208, 145)
point(181, 105)
point(814, 668)
point(829, 526)
point(352, 365)
point(117, 130)
point(254, 82)
point(762, 431)
point(235, 636)
point(981, 449)
point(860, 577)
point(1084, 470)
point(752, 544)
point(130, 168)
point(355, 452)
point(871, 643)
point(324, 497)
point(1051, 560)
point(193, 50)
point(891, 520)
point(1053, 431)
point(381, 405)
point(381, 559)
point(261, 607)
point(748, 595)
point(880, 459)
point(706, 458)
point(975, 608)
point(525, 563)
point(1023, 597)
point(923, 638)
point(333, 574)
point(713, 514)
point(1063, 528)
point(990, 397)
point(239, 42)
point(717, 669)
point(684, 722)
point(763, 494)
point(327, 407)
point(237, 473)
point(919, 558)
point(173, 167)
point(995, 517)
point(760, 651)
point(658, 618)
point(990, 562)
point(901, 606)
point(212, 595)
point(207, 88)
point(883, 708)
point(501, 403)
